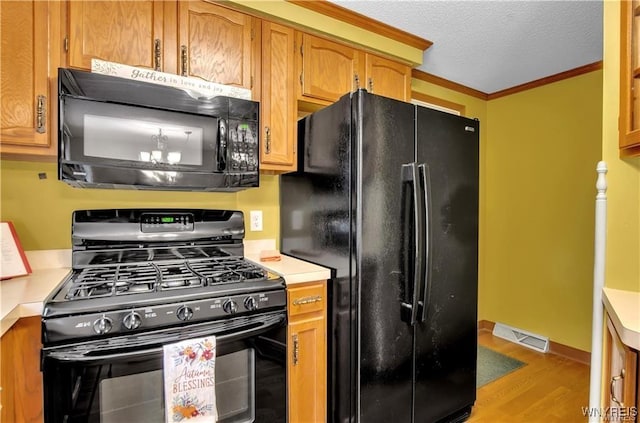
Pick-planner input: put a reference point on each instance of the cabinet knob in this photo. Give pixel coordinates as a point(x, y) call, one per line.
point(612, 386)
point(41, 114)
point(371, 84)
point(267, 140)
point(183, 57)
point(157, 44)
point(307, 300)
point(296, 349)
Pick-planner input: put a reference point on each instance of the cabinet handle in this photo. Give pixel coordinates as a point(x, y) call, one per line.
point(356, 80)
point(267, 140)
point(296, 349)
point(612, 386)
point(157, 44)
point(307, 300)
point(41, 114)
point(183, 56)
point(370, 84)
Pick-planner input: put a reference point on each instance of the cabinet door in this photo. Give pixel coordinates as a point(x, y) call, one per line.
point(629, 125)
point(388, 78)
point(278, 102)
point(29, 31)
point(307, 385)
point(216, 43)
point(307, 352)
point(621, 375)
point(21, 378)
point(327, 69)
point(128, 32)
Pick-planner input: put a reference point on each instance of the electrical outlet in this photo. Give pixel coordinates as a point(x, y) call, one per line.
point(255, 217)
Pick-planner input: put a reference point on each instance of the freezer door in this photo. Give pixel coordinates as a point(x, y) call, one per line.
point(315, 223)
point(384, 145)
point(446, 335)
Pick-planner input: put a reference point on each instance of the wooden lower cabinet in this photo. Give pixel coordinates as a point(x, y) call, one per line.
point(621, 378)
point(20, 368)
point(307, 352)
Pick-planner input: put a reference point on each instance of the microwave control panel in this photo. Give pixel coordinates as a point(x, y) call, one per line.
point(242, 154)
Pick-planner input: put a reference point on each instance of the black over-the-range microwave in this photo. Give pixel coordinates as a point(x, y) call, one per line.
point(120, 133)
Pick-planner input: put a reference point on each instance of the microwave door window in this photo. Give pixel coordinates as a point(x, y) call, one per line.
point(139, 137)
point(142, 141)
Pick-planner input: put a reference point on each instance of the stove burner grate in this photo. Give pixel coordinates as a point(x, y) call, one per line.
point(127, 279)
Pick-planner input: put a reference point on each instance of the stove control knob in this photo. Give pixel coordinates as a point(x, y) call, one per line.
point(102, 325)
point(230, 307)
point(132, 321)
point(184, 313)
point(250, 304)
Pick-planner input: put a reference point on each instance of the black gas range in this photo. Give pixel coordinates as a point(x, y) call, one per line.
point(137, 270)
point(143, 280)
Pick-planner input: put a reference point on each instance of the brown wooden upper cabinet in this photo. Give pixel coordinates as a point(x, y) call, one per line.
point(327, 69)
point(217, 44)
point(388, 78)
point(129, 32)
point(278, 99)
point(191, 38)
point(30, 35)
point(629, 125)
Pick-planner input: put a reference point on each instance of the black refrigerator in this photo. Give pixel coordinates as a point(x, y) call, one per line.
point(386, 196)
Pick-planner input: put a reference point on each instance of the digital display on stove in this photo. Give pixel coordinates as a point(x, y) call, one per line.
point(165, 222)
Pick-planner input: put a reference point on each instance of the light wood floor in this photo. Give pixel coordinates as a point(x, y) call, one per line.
point(548, 389)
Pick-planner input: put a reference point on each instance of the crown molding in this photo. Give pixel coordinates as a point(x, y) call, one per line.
point(436, 80)
point(345, 15)
point(547, 80)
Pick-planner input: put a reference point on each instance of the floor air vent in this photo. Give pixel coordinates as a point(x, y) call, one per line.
point(522, 337)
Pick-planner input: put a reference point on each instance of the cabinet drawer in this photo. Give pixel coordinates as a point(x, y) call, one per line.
point(306, 299)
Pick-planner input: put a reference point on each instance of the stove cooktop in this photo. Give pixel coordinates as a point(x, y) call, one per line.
point(134, 278)
point(144, 269)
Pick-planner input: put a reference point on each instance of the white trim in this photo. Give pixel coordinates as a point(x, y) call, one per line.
point(436, 107)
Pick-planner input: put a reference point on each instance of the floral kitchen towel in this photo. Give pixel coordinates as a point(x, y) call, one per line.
point(189, 381)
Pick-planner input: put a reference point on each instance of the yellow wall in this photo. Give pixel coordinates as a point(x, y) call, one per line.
point(544, 145)
point(538, 152)
point(622, 265)
point(41, 208)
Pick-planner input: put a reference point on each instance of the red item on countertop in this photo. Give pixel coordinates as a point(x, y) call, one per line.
point(270, 255)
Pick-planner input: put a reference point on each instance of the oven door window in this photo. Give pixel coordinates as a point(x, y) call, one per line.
point(139, 397)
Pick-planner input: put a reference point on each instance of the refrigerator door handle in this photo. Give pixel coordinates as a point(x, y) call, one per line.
point(411, 174)
point(425, 180)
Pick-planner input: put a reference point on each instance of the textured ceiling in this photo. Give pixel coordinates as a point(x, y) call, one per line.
point(495, 45)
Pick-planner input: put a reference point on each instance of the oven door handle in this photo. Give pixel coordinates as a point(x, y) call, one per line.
point(93, 355)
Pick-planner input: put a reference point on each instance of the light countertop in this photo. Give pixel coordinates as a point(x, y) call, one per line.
point(291, 269)
point(624, 309)
point(24, 296)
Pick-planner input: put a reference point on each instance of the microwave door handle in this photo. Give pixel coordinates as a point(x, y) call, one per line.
point(89, 356)
point(223, 142)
